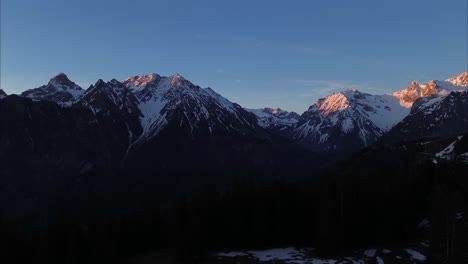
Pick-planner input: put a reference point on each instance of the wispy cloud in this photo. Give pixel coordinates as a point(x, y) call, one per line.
point(313, 50)
point(243, 42)
point(322, 88)
point(226, 72)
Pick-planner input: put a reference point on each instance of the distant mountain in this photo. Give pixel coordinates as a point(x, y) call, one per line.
point(275, 119)
point(2, 94)
point(439, 110)
point(459, 80)
point(350, 120)
point(347, 121)
point(59, 90)
point(416, 90)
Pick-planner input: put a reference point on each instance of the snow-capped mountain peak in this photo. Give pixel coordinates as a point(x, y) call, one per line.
point(61, 79)
point(459, 80)
point(59, 89)
point(333, 102)
point(277, 111)
point(410, 94)
point(98, 83)
point(347, 115)
point(177, 80)
point(416, 90)
point(138, 82)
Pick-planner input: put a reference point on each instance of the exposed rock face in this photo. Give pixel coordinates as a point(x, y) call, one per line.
point(2, 94)
point(437, 116)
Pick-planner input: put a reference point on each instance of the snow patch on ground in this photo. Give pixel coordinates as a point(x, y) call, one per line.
point(370, 253)
point(380, 261)
point(288, 255)
point(446, 153)
point(416, 255)
point(277, 253)
point(292, 255)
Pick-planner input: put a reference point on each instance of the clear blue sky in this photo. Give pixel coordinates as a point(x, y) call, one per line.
point(257, 53)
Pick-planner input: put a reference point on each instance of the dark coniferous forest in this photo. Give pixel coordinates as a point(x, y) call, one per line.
point(84, 182)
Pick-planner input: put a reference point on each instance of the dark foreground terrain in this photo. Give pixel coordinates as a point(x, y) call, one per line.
point(171, 172)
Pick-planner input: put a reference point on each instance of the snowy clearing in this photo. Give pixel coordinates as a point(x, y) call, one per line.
point(292, 255)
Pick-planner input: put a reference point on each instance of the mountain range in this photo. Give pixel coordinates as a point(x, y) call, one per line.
point(141, 108)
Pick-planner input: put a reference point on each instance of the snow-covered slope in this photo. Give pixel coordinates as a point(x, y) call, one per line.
point(348, 120)
point(2, 94)
point(275, 119)
point(59, 89)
